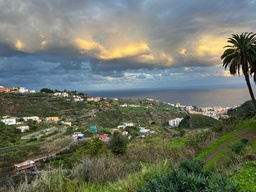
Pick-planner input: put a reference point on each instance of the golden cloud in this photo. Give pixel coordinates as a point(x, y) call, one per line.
point(88, 45)
point(43, 43)
point(19, 45)
point(210, 46)
point(159, 57)
point(125, 51)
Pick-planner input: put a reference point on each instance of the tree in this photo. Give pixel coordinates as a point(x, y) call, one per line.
point(91, 148)
point(118, 144)
point(46, 90)
point(241, 54)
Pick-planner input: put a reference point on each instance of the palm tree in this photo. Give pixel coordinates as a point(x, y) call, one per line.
point(241, 54)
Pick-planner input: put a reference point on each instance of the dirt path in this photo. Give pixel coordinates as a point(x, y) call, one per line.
point(248, 134)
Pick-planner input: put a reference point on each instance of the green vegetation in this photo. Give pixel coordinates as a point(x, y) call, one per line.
point(246, 110)
point(91, 148)
point(190, 177)
point(142, 163)
point(118, 144)
point(212, 163)
point(195, 121)
point(217, 143)
point(239, 146)
point(245, 177)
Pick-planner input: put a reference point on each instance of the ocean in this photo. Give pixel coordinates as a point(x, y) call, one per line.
point(229, 97)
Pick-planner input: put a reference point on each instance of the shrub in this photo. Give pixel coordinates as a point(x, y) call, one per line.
point(118, 144)
point(94, 148)
point(195, 166)
point(238, 147)
point(189, 177)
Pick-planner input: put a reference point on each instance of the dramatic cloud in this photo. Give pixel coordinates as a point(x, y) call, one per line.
point(102, 44)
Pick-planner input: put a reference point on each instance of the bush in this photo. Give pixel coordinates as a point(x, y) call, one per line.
point(238, 147)
point(195, 166)
point(189, 177)
point(118, 144)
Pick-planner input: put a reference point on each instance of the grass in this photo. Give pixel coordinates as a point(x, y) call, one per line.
point(179, 142)
point(216, 159)
point(219, 142)
point(250, 125)
point(57, 181)
point(246, 177)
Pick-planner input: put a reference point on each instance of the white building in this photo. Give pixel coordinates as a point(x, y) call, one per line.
point(33, 118)
point(144, 130)
point(57, 94)
point(121, 126)
point(23, 128)
point(64, 94)
point(175, 122)
point(23, 90)
point(126, 124)
point(9, 121)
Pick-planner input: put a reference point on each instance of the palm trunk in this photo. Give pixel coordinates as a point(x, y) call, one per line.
point(250, 89)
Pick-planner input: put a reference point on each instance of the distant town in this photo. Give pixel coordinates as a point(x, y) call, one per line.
point(215, 112)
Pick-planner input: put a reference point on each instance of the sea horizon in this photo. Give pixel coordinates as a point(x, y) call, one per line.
point(199, 96)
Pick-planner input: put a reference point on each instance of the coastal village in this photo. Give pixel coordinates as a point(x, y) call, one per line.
point(22, 124)
point(214, 111)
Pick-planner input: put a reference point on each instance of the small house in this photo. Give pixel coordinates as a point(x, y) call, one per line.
point(25, 165)
point(9, 121)
point(175, 122)
point(2, 89)
point(54, 119)
point(125, 133)
point(114, 130)
point(93, 128)
point(23, 128)
point(77, 136)
point(33, 118)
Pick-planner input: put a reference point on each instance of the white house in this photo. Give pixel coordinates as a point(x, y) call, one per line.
point(33, 118)
point(121, 126)
point(9, 121)
point(64, 94)
point(23, 128)
point(146, 131)
point(175, 122)
point(57, 94)
point(126, 124)
point(143, 130)
point(23, 90)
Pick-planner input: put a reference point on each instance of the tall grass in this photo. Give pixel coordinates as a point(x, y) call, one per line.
point(217, 143)
point(246, 177)
point(212, 163)
point(58, 181)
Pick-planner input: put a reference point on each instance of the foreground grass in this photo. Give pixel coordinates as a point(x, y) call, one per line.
point(57, 181)
point(245, 177)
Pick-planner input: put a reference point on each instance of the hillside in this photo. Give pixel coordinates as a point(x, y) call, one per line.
point(149, 159)
point(84, 113)
point(245, 110)
point(195, 121)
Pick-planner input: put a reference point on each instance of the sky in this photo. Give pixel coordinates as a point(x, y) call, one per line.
point(119, 44)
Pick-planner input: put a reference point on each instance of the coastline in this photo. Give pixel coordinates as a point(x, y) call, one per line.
point(225, 97)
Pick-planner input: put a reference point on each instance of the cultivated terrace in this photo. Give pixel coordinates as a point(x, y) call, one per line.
point(68, 141)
